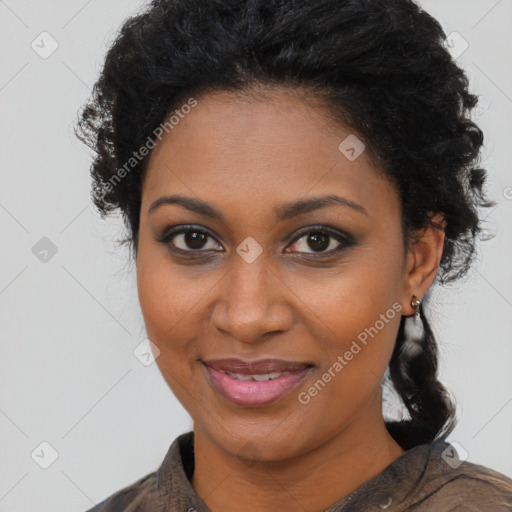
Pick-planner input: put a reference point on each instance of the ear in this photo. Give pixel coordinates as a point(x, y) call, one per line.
point(422, 262)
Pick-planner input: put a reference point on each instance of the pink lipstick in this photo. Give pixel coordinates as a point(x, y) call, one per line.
point(255, 383)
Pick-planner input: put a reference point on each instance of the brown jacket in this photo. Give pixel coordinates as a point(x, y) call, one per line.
point(426, 478)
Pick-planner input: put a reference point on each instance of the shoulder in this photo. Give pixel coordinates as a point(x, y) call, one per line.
point(462, 486)
point(480, 487)
point(168, 483)
point(137, 497)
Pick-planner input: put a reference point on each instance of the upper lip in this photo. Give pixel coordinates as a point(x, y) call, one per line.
point(260, 366)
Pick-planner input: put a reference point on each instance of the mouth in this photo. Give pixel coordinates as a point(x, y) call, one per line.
point(255, 383)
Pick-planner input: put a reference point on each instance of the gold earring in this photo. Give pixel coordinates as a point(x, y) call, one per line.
point(415, 303)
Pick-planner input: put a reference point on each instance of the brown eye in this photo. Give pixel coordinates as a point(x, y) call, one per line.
point(318, 241)
point(321, 241)
point(195, 239)
point(188, 240)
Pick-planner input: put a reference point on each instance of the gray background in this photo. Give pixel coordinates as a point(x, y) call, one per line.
point(68, 375)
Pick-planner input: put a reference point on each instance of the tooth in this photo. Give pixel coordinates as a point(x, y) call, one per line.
point(238, 376)
point(263, 376)
point(257, 377)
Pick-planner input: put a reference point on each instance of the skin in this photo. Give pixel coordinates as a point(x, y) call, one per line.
point(246, 158)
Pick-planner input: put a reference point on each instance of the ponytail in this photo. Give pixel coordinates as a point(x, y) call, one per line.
point(413, 371)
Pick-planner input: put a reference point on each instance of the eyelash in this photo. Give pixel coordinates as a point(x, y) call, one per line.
point(345, 240)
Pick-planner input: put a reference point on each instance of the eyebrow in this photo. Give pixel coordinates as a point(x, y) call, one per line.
point(283, 212)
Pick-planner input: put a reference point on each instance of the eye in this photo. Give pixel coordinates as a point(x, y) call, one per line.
point(188, 239)
point(322, 240)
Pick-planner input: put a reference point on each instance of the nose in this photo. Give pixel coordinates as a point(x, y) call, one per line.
point(254, 302)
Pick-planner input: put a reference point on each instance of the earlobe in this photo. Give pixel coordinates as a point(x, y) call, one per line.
point(423, 259)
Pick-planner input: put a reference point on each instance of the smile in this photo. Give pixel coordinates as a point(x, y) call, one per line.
point(254, 389)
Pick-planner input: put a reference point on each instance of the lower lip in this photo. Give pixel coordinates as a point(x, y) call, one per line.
point(252, 393)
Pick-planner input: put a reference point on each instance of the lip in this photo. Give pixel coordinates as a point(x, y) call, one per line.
point(257, 366)
point(252, 393)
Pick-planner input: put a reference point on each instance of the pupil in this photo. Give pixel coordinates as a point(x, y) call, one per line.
point(194, 239)
point(319, 239)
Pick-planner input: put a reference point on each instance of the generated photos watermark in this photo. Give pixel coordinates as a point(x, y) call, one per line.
point(137, 156)
point(304, 397)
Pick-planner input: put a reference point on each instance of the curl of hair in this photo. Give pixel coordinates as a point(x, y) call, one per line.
point(379, 68)
point(414, 376)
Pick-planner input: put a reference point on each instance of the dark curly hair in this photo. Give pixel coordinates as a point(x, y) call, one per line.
point(380, 68)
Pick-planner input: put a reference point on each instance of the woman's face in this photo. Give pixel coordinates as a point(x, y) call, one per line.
point(258, 280)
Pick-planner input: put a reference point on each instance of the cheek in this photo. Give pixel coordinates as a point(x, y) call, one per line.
point(163, 304)
point(173, 301)
point(343, 301)
point(167, 296)
point(354, 314)
point(354, 357)
point(167, 307)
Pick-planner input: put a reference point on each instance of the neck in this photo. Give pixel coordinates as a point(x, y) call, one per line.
point(311, 481)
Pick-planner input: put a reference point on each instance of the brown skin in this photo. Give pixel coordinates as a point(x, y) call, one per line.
point(245, 158)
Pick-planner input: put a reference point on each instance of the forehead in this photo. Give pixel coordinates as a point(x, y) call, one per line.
point(264, 149)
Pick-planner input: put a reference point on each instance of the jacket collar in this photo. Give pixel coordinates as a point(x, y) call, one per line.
point(390, 487)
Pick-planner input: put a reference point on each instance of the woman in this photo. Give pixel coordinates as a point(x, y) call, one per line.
point(294, 176)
